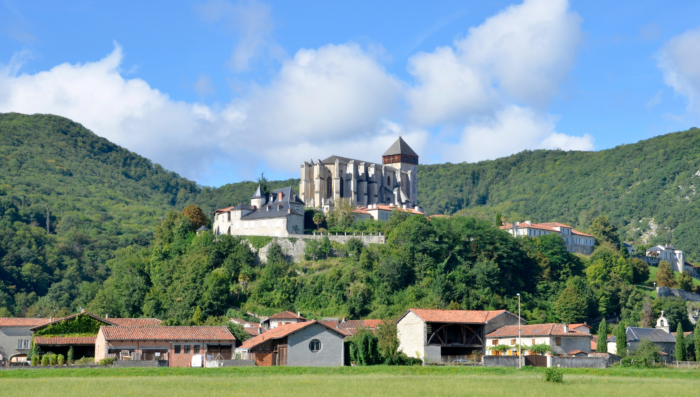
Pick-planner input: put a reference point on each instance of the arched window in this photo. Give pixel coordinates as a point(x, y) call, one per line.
point(342, 190)
point(329, 187)
point(388, 181)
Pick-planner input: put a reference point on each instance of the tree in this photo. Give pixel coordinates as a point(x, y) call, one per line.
point(197, 317)
point(238, 331)
point(318, 219)
point(697, 342)
point(621, 338)
point(685, 282)
point(680, 345)
point(499, 219)
point(71, 355)
point(196, 216)
point(604, 231)
point(363, 348)
point(342, 214)
point(262, 181)
point(664, 276)
point(216, 291)
point(640, 271)
point(602, 346)
point(571, 306)
point(647, 313)
point(388, 341)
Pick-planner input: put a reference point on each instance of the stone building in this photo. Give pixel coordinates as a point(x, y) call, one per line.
point(559, 337)
point(445, 335)
point(279, 214)
point(364, 183)
point(670, 254)
point(16, 337)
point(661, 336)
point(577, 242)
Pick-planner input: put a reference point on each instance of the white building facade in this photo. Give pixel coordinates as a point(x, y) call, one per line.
point(670, 254)
point(576, 241)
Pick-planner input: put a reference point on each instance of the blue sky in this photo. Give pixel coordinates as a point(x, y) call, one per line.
point(222, 90)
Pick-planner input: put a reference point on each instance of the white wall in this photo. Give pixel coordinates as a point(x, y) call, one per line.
point(412, 334)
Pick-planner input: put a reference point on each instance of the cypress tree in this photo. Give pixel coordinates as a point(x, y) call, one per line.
point(697, 342)
point(680, 345)
point(621, 339)
point(602, 346)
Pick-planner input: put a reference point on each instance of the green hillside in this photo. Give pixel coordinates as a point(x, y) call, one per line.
point(647, 186)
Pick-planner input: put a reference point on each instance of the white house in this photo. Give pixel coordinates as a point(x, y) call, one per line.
point(278, 214)
point(670, 254)
point(382, 212)
point(559, 337)
point(576, 241)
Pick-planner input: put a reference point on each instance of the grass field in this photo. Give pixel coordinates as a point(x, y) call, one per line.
point(372, 381)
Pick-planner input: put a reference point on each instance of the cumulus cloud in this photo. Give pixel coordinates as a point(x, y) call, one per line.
point(253, 25)
point(331, 98)
point(679, 59)
point(496, 80)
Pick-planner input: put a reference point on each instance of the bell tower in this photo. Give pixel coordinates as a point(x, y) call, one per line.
point(401, 157)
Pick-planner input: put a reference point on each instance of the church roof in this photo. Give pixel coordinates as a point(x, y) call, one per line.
point(258, 193)
point(400, 147)
point(343, 160)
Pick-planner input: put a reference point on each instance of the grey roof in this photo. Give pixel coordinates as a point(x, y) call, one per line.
point(400, 147)
point(657, 335)
point(258, 193)
point(343, 160)
point(276, 208)
point(202, 229)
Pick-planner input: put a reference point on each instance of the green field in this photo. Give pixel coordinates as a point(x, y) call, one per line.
point(372, 381)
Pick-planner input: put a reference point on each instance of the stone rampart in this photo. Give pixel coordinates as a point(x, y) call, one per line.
point(665, 292)
point(294, 246)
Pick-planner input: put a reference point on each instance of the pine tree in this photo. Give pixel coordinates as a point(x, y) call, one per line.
point(602, 346)
point(680, 344)
point(697, 342)
point(70, 355)
point(499, 219)
point(621, 339)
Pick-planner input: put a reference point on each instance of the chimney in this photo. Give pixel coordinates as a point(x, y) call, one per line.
point(298, 313)
point(82, 310)
point(343, 320)
point(260, 331)
point(279, 196)
point(529, 222)
point(107, 315)
point(566, 328)
point(51, 319)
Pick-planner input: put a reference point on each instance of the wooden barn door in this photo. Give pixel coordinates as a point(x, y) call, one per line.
point(282, 356)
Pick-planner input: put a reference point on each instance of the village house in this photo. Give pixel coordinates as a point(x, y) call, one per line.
point(83, 345)
point(303, 344)
point(661, 336)
point(395, 181)
point(16, 337)
point(672, 255)
point(577, 242)
point(383, 212)
point(445, 335)
point(279, 214)
point(172, 346)
point(560, 338)
point(283, 318)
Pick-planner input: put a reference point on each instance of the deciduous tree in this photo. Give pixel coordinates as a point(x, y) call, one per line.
point(602, 346)
point(664, 275)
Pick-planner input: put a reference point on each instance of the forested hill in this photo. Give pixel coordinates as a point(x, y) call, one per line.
point(649, 186)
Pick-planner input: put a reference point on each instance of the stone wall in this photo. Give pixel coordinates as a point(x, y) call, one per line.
point(412, 335)
point(577, 362)
point(500, 361)
point(665, 292)
point(230, 363)
point(295, 250)
point(332, 348)
point(138, 364)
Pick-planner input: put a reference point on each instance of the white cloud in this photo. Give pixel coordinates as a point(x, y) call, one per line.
point(203, 86)
point(679, 60)
point(334, 97)
point(253, 23)
point(510, 130)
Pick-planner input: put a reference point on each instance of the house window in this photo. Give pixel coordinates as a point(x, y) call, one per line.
point(177, 349)
point(187, 349)
point(20, 343)
point(329, 187)
point(315, 346)
point(512, 342)
point(557, 341)
point(196, 349)
point(494, 342)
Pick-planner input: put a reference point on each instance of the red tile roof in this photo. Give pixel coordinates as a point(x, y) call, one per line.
point(331, 324)
point(22, 322)
point(281, 332)
point(65, 340)
point(455, 316)
point(359, 324)
point(555, 224)
point(253, 331)
point(389, 208)
point(58, 320)
point(134, 322)
point(524, 225)
point(286, 315)
point(577, 352)
point(166, 333)
point(227, 209)
point(534, 330)
point(579, 325)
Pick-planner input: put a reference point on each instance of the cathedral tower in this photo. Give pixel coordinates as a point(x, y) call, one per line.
point(401, 157)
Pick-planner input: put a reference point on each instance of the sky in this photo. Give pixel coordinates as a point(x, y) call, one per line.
point(220, 91)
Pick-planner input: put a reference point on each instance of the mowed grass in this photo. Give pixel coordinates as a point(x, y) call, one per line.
point(375, 381)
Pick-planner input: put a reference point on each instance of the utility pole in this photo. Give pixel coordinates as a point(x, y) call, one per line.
point(520, 343)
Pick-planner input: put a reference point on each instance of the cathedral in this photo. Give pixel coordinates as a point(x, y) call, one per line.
point(393, 182)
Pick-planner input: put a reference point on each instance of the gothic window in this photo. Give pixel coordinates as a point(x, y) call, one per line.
point(329, 187)
point(388, 181)
point(342, 190)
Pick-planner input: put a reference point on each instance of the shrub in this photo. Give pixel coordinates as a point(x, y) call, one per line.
point(60, 360)
point(53, 359)
point(85, 361)
point(35, 360)
point(402, 359)
point(259, 242)
point(553, 375)
point(107, 361)
point(355, 247)
point(70, 356)
point(45, 360)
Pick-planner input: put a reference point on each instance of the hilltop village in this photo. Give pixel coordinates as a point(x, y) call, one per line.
point(367, 214)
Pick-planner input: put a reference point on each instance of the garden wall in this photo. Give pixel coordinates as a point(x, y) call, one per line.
point(230, 363)
point(294, 247)
point(500, 361)
point(139, 364)
point(577, 362)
